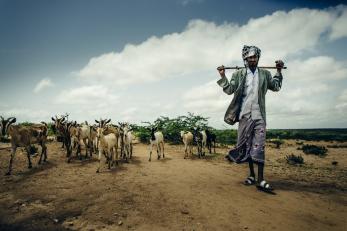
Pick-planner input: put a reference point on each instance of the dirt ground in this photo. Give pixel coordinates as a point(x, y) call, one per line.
point(173, 193)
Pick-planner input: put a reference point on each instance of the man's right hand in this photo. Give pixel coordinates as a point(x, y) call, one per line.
point(221, 71)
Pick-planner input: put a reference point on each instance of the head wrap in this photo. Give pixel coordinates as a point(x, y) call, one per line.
point(248, 51)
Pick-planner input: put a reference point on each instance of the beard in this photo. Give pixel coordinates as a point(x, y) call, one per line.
point(252, 66)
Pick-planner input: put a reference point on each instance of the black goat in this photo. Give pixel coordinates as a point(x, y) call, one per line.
point(211, 138)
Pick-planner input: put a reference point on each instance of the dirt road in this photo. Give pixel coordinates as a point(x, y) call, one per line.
point(172, 193)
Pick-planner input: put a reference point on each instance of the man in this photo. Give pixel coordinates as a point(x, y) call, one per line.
point(249, 86)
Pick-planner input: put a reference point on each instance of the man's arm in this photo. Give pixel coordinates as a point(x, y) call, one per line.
point(228, 87)
point(275, 83)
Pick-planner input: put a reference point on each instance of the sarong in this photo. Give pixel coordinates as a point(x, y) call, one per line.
point(251, 135)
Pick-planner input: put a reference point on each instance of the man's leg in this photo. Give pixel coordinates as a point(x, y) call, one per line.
point(251, 167)
point(260, 172)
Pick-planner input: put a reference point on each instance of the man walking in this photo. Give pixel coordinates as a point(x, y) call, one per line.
point(249, 86)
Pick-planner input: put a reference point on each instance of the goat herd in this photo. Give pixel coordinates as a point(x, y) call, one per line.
point(102, 138)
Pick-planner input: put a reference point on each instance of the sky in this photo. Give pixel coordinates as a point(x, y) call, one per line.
point(138, 60)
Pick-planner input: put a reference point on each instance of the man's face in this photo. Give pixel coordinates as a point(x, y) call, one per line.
point(252, 61)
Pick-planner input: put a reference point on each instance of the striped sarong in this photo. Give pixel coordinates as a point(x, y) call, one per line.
point(251, 135)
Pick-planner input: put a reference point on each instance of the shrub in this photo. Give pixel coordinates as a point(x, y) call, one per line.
point(293, 159)
point(337, 146)
point(320, 151)
point(277, 142)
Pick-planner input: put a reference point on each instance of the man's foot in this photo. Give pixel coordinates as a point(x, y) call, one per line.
point(249, 181)
point(264, 186)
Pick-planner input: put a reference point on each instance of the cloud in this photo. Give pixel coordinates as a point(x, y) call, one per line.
point(204, 45)
point(145, 74)
point(44, 83)
point(339, 29)
point(95, 96)
point(343, 96)
point(25, 114)
point(187, 2)
point(306, 94)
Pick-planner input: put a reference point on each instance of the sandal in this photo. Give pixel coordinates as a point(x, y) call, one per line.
point(249, 181)
point(264, 186)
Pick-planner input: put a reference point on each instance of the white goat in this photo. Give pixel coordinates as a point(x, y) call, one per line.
point(128, 142)
point(107, 145)
point(157, 138)
point(187, 138)
point(204, 141)
point(86, 137)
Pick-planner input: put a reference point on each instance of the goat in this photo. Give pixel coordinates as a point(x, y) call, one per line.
point(94, 138)
point(126, 141)
point(58, 122)
point(86, 137)
point(157, 138)
point(210, 138)
point(24, 136)
point(187, 138)
point(200, 140)
point(65, 129)
point(107, 144)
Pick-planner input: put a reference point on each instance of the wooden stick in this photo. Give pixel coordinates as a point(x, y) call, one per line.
point(238, 68)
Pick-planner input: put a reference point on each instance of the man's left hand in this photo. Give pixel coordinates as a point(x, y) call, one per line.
point(279, 65)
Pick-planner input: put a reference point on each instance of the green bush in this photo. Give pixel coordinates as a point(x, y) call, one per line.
point(277, 142)
point(293, 159)
point(337, 146)
point(171, 128)
point(320, 151)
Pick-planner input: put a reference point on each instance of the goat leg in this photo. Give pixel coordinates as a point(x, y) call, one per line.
point(11, 160)
point(163, 149)
point(41, 154)
point(150, 153)
point(28, 155)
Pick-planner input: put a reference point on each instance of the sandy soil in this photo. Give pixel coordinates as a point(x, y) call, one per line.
point(173, 193)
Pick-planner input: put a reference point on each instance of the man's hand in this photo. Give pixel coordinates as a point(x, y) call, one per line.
point(221, 71)
point(279, 65)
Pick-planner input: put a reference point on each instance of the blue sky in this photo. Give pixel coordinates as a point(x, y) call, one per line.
point(136, 60)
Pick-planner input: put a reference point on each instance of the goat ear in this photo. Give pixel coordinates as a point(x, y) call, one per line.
point(97, 121)
point(13, 120)
point(108, 121)
point(53, 119)
point(62, 120)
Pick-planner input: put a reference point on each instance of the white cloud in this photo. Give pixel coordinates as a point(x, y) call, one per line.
point(306, 94)
point(186, 2)
point(44, 83)
point(310, 84)
point(95, 96)
point(343, 96)
point(25, 114)
point(204, 45)
point(339, 28)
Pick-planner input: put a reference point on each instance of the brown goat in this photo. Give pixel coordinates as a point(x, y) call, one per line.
point(24, 136)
